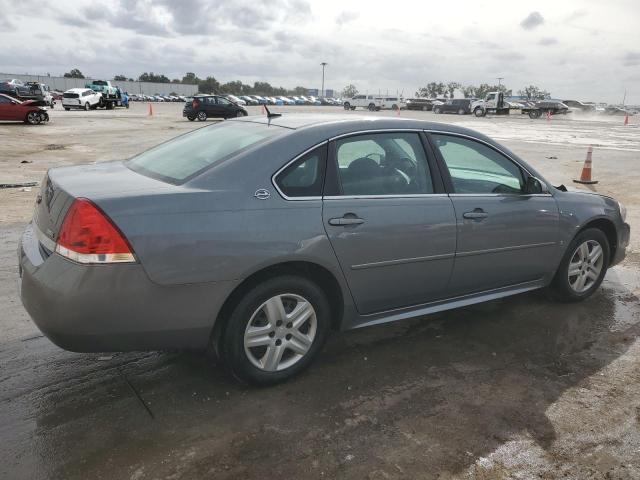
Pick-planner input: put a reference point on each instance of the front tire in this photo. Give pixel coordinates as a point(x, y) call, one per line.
point(436, 110)
point(461, 111)
point(479, 112)
point(191, 118)
point(33, 118)
point(275, 331)
point(87, 107)
point(347, 106)
point(583, 267)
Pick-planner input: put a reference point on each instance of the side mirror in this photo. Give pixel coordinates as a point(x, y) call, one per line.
point(533, 186)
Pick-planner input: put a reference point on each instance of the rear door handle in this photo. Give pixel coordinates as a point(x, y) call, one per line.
point(344, 221)
point(477, 214)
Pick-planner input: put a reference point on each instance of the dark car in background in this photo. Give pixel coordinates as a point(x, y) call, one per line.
point(461, 106)
point(585, 107)
point(205, 106)
point(423, 104)
point(14, 87)
point(554, 107)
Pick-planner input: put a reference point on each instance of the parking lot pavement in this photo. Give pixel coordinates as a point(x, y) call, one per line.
point(517, 388)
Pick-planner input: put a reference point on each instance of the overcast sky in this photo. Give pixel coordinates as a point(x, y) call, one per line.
point(576, 49)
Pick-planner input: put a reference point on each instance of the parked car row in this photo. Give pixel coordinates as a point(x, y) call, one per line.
point(282, 100)
point(38, 92)
point(138, 97)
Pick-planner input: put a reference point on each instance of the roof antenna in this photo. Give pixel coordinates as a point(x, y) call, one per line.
point(271, 115)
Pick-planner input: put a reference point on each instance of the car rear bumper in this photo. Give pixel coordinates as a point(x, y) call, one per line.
point(98, 308)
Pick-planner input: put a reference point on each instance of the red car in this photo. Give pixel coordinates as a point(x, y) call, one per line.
point(28, 111)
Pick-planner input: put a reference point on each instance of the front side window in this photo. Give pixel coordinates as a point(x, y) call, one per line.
point(223, 101)
point(383, 164)
point(177, 160)
point(304, 177)
point(478, 169)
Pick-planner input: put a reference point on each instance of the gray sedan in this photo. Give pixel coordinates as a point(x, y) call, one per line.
point(257, 236)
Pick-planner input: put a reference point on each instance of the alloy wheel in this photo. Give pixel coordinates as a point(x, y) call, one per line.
point(280, 332)
point(585, 266)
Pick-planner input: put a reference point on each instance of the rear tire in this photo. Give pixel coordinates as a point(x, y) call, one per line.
point(424, 108)
point(461, 111)
point(436, 110)
point(259, 309)
point(67, 108)
point(202, 116)
point(582, 268)
point(372, 107)
point(191, 118)
point(347, 106)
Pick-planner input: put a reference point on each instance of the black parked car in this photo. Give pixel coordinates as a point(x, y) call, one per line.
point(419, 104)
point(460, 106)
point(205, 106)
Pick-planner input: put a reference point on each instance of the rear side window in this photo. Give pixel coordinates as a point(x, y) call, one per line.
point(182, 158)
point(304, 177)
point(70, 95)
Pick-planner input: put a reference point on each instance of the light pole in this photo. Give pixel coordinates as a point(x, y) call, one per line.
point(500, 81)
point(324, 64)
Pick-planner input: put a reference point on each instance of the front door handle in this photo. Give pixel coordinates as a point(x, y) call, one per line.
point(346, 220)
point(477, 214)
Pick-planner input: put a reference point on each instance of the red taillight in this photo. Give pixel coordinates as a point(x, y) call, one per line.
point(88, 236)
point(195, 104)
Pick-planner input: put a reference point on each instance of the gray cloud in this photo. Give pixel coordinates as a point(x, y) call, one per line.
point(531, 21)
point(548, 41)
point(631, 59)
point(346, 16)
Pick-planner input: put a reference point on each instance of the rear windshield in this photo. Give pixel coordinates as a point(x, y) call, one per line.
point(70, 95)
point(182, 158)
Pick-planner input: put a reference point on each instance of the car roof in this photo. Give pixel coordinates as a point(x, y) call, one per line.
point(78, 89)
point(339, 124)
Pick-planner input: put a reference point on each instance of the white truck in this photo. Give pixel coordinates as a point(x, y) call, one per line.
point(493, 103)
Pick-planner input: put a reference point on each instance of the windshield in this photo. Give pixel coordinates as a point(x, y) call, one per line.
point(178, 160)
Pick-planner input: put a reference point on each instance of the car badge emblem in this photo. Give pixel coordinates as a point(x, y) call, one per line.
point(262, 194)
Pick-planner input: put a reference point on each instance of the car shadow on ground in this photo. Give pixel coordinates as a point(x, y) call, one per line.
point(415, 399)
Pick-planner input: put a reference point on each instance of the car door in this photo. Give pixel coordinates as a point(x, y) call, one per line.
point(505, 236)
point(225, 107)
point(391, 225)
point(5, 108)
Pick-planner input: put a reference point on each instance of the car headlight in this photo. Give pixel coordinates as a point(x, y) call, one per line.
point(623, 211)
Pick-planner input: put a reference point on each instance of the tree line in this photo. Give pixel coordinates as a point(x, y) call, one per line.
point(207, 85)
point(447, 90)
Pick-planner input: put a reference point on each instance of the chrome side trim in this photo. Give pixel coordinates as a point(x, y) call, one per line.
point(378, 130)
point(275, 184)
point(518, 195)
point(402, 261)
point(504, 249)
point(355, 197)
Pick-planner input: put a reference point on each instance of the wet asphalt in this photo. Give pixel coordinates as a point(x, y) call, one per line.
point(523, 387)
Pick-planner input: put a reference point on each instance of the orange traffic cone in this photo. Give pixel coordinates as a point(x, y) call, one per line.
point(398, 112)
point(626, 119)
point(548, 115)
point(585, 177)
point(150, 110)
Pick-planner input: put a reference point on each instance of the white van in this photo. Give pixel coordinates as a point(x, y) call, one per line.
point(370, 102)
point(81, 98)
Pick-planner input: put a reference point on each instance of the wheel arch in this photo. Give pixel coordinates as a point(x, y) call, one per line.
point(310, 270)
point(608, 228)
